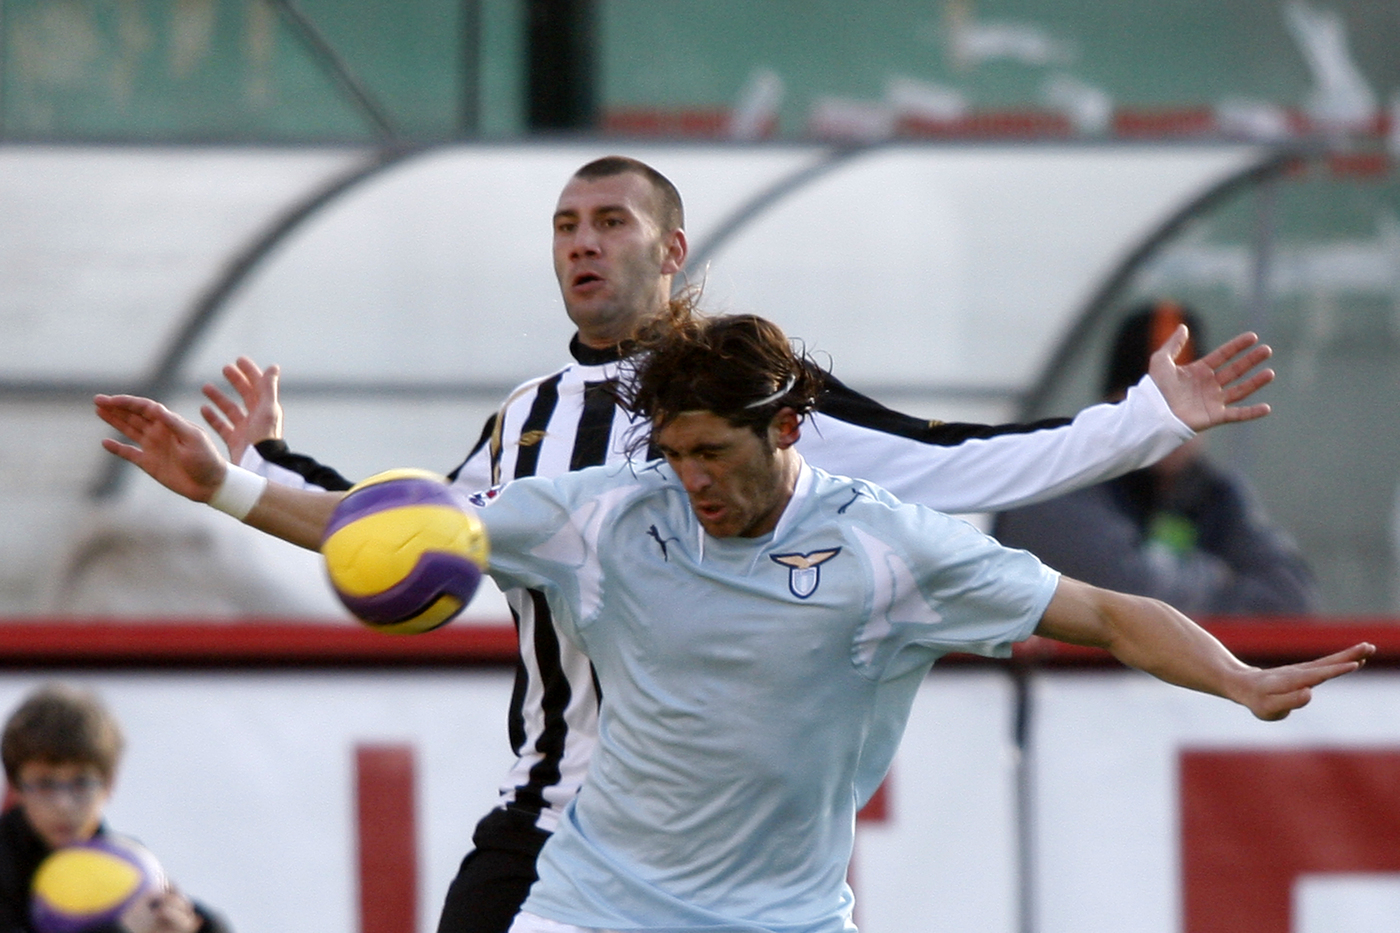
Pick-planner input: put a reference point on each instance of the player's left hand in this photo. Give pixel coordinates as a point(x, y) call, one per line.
point(1273, 693)
point(259, 418)
point(1205, 393)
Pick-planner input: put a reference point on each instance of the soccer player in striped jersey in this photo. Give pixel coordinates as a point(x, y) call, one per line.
point(619, 240)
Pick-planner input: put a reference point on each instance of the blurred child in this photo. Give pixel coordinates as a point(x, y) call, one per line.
point(61, 748)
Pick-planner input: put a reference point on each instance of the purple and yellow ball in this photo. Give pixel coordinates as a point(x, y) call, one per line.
point(91, 884)
point(405, 551)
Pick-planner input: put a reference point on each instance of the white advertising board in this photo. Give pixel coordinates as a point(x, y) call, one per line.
point(243, 783)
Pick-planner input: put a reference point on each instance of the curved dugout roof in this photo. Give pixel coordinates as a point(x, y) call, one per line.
point(938, 277)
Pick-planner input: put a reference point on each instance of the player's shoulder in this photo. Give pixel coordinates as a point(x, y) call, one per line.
point(844, 493)
point(860, 503)
point(531, 386)
point(608, 480)
point(569, 379)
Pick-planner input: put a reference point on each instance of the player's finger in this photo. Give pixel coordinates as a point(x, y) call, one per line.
point(234, 373)
point(1247, 387)
point(123, 420)
point(132, 403)
point(1282, 704)
point(1173, 345)
point(125, 451)
point(1230, 349)
point(1237, 413)
point(1243, 363)
point(1359, 652)
point(251, 379)
point(252, 370)
point(230, 409)
point(217, 422)
point(145, 414)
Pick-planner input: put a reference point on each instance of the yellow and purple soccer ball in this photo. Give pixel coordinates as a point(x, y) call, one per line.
point(405, 551)
point(91, 884)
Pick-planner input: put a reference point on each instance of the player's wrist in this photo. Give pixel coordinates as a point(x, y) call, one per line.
point(239, 492)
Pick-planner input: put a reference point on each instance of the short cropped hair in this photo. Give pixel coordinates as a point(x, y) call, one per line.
point(740, 367)
point(58, 724)
point(670, 213)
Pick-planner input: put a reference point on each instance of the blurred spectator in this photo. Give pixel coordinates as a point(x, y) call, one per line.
point(61, 748)
point(1183, 530)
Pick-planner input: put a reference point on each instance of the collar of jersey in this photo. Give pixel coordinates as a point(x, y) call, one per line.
point(592, 356)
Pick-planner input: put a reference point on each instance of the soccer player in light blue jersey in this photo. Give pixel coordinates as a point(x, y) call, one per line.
point(759, 629)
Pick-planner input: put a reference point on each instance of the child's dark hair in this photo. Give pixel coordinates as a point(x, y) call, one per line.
point(740, 367)
point(58, 724)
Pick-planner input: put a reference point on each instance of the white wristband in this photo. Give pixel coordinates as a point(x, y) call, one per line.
point(239, 492)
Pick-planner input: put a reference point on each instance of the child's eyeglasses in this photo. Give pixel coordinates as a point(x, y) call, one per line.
point(79, 788)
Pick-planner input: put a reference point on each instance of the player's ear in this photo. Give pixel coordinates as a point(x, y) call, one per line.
point(674, 249)
point(785, 428)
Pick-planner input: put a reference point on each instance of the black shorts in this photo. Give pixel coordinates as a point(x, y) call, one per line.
point(495, 877)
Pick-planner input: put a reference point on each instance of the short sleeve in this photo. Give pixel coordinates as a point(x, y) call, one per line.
point(938, 585)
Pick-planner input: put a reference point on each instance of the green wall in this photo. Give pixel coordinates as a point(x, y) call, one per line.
point(242, 70)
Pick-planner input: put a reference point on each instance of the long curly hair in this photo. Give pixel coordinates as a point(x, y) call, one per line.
point(741, 367)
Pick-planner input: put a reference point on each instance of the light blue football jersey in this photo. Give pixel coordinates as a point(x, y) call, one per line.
point(754, 689)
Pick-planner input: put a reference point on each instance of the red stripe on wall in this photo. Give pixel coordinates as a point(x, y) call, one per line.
point(31, 642)
point(877, 808)
point(248, 643)
point(388, 838)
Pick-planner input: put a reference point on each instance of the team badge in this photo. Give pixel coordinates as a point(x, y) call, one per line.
point(805, 570)
point(485, 497)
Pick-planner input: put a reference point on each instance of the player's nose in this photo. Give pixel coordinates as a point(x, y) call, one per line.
point(693, 477)
point(585, 242)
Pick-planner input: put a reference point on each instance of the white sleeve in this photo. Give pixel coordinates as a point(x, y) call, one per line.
point(252, 460)
point(1001, 468)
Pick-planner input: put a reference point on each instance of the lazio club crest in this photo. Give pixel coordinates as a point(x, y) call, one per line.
point(805, 570)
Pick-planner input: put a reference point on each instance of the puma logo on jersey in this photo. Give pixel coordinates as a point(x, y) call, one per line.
point(855, 496)
point(662, 541)
point(530, 438)
point(804, 570)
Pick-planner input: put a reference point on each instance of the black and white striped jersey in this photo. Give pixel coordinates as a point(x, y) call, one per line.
point(569, 420)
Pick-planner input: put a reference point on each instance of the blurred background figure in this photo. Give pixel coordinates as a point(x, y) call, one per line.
point(61, 748)
point(1184, 530)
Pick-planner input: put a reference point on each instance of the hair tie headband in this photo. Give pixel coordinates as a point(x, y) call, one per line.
point(787, 387)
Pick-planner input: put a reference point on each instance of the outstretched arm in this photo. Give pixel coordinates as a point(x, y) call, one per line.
point(259, 418)
point(982, 468)
point(1206, 392)
point(182, 458)
point(1154, 637)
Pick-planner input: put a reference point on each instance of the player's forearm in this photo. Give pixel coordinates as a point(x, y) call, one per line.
point(296, 515)
point(999, 468)
point(1103, 441)
point(1146, 634)
point(1154, 637)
